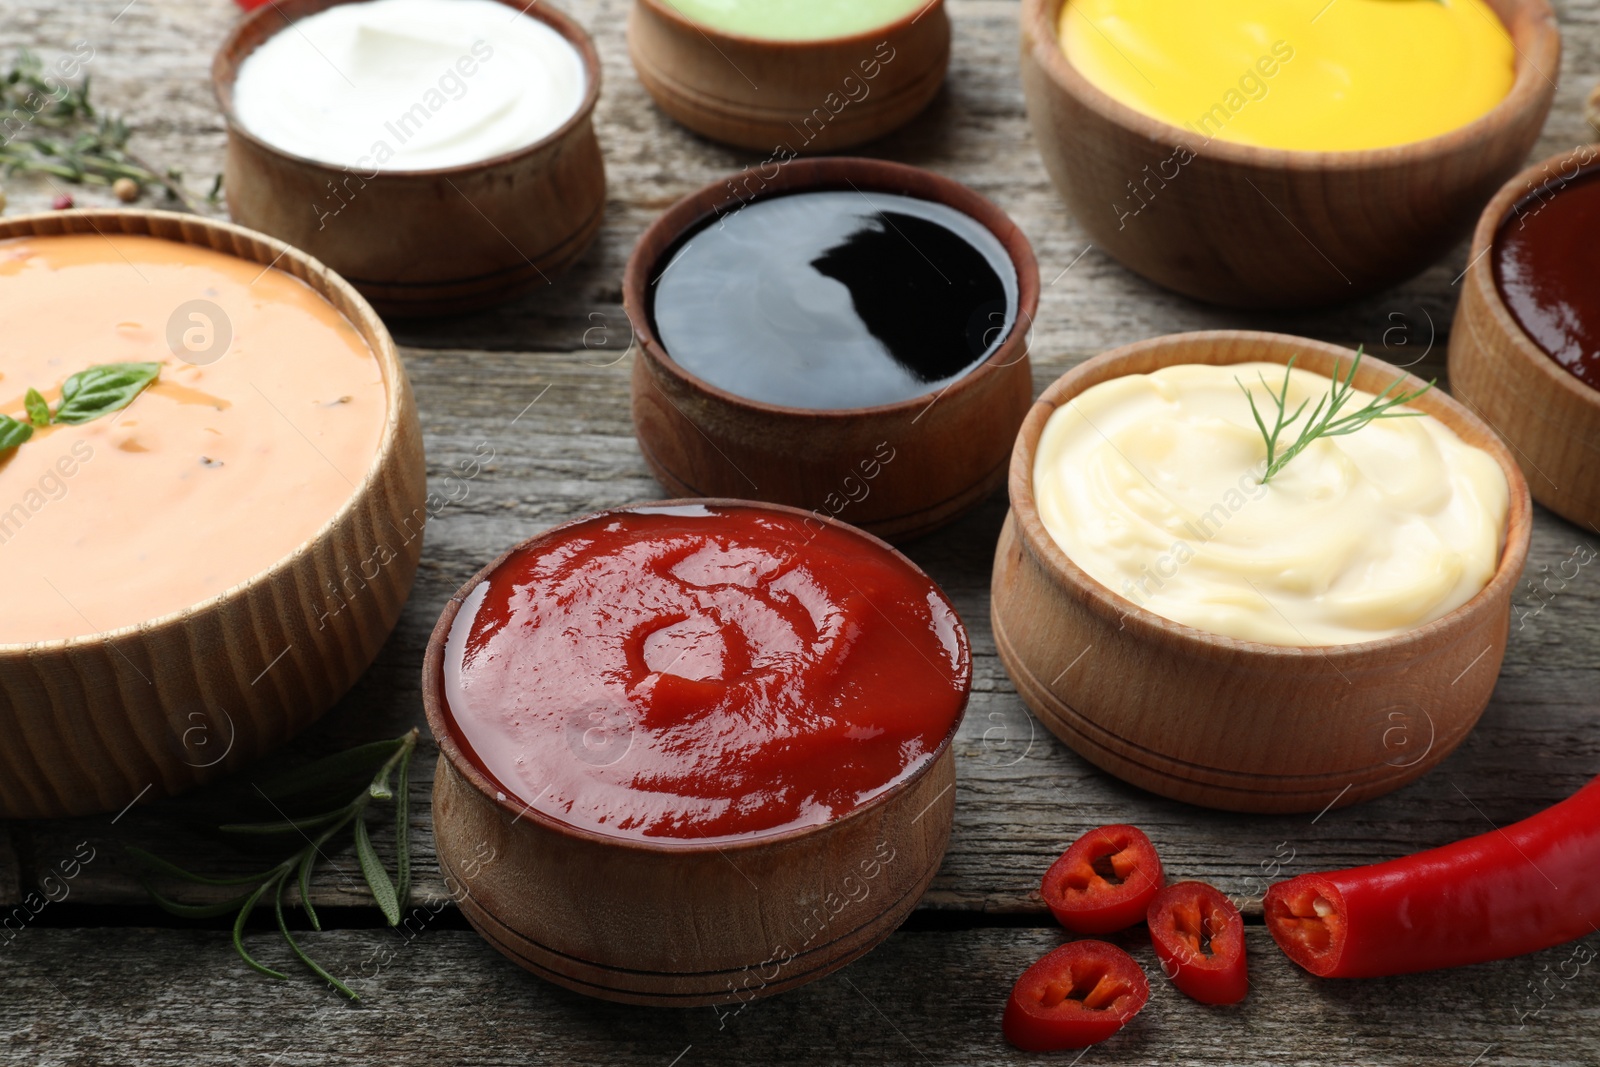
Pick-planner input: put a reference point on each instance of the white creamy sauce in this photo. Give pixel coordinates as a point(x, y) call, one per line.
point(409, 84)
point(1150, 483)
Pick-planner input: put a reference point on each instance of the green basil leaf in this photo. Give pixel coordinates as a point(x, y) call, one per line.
point(101, 390)
point(13, 433)
point(38, 408)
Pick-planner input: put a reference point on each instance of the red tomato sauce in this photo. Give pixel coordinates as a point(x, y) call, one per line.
point(703, 672)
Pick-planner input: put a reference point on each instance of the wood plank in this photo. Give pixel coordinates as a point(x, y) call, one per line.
point(10, 868)
point(1022, 795)
point(159, 998)
point(572, 452)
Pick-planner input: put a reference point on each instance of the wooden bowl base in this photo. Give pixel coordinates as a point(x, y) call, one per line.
point(897, 529)
point(685, 989)
point(745, 124)
point(638, 923)
point(1207, 787)
point(399, 300)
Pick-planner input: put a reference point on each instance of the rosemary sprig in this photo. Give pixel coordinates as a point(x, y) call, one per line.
point(66, 137)
point(392, 759)
point(1325, 420)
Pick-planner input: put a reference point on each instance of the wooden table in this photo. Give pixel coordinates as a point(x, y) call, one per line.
point(103, 977)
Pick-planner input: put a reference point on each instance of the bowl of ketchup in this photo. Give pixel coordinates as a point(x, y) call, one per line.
point(695, 752)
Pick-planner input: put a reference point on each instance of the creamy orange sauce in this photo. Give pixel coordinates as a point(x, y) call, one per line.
point(213, 474)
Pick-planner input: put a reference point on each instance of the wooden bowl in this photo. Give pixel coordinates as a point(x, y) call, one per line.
point(789, 97)
point(897, 470)
point(1245, 226)
point(674, 923)
point(1227, 723)
point(1550, 419)
point(422, 242)
point(94, 723)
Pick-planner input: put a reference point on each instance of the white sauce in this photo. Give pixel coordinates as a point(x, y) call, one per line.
point(409, 84)
point(1150, 483)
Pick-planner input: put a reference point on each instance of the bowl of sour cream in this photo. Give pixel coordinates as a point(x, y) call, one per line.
point(1326, 634)
point(439, 154)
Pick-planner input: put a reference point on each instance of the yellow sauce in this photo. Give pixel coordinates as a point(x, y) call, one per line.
point(213, 474)
point(1151, 484)
point(1310, 75)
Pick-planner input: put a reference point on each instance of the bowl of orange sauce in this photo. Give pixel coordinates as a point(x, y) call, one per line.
point(211, 511)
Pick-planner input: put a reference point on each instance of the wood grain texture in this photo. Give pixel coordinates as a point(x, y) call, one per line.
point(168, 997)
point(1253, 227)
point(96, 723)
point(789, 97)
point(429, 242)
point(162, 998)
point(896, 470)
point(1549, 417)
point(1236, 724)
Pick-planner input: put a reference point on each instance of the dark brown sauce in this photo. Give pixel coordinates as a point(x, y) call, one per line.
point(1547, 267)
point(835, 299)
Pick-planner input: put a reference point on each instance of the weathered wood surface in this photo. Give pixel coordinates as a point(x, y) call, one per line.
point(544, 383)
point(159, 998)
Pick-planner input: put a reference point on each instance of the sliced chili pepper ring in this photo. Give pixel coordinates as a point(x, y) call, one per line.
point(1075, 997)
point(1105, 881)
point(1305, 918)
point(1199, 937)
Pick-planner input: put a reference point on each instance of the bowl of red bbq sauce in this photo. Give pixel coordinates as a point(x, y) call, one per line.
point(1525, 347)
point(694, 752)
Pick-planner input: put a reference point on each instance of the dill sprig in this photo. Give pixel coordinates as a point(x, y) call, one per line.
point(1325, 420)
point(392, 760)
point(65, 136)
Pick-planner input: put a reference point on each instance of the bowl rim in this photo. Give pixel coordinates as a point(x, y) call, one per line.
point(1040, 20)
point(821, 174)
point(225, 71)
point(441, 722)
point(1147, 624)
point(1481, 266)
point(894, 28)
point(365, 321)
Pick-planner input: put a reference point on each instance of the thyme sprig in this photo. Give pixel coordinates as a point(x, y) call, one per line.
point(1325, 420)
point(392, 760)
point(67, 137)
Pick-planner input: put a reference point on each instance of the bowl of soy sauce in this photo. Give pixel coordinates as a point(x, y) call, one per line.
point(846, 336)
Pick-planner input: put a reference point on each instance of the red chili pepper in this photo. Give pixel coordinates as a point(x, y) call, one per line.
point(251, 5)
point(1075, 997)
point(1105, 881)
point(1199, 936)
point(1512, 891)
